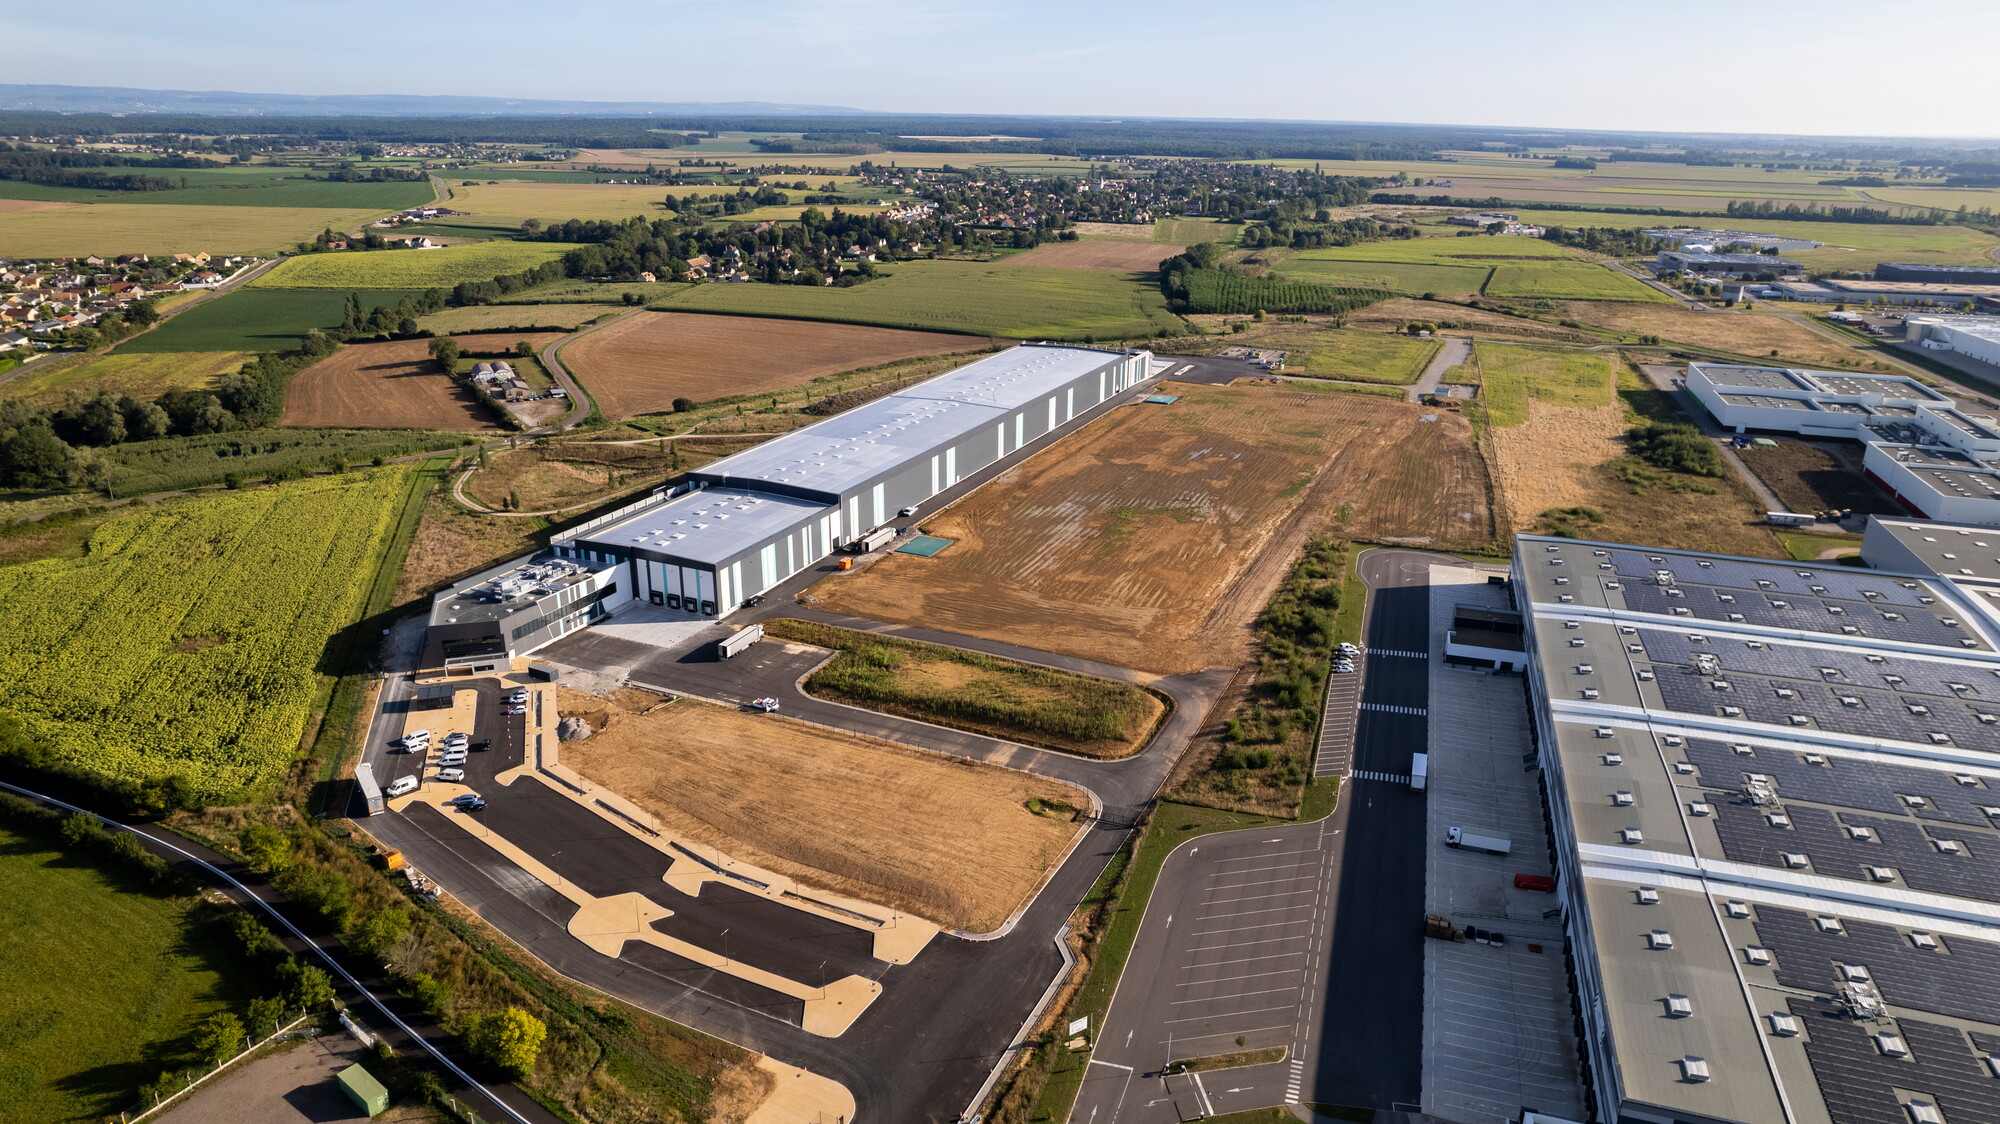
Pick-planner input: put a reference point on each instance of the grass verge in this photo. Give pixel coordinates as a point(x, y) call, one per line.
point(984, 694)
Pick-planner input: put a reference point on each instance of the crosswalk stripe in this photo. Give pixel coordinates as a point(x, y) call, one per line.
point(1402, 654)
point(1390, 708)
point(1390, 778)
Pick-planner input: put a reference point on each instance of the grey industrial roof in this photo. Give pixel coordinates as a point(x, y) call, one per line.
point(494, 594)
point(846, 451)
point(1852, 839)
point(1769, 402)
point(1698, 258)
point(1753, 378)
point(708, 526)
point(1949, 548)
point(1900, 386)
point(1978, 327)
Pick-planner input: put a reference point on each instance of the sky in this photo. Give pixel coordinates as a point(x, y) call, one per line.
point(1818, 67)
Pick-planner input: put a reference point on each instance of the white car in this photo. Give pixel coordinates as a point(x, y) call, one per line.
point(416, 736)
point(401, 786)
point(456, 741)
point(767, 705)
point(516, 711)
point(517, 696)
point(452, 775)
point(452, 757)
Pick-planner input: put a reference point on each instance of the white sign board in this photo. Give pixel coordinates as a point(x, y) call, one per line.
point(1079, 1026)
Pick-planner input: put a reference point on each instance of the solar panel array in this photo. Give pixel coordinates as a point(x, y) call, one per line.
point(1874, 713)
point(1801, 613)
point(1919, 676)
point(1734, 574)
point(1900, 845)
point(1959, 979)
point(1845, 782)
point(1858, 1081)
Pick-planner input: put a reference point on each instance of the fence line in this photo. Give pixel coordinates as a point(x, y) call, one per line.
point(250, 1047)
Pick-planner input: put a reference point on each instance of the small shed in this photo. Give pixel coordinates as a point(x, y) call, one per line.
point(361, 1087)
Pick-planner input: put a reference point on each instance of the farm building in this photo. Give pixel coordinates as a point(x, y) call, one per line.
point(1977, 337)
point(1694, 238)
point(1725, 265)
point(1936, 460)
point(1770, 790)
point(742, 524)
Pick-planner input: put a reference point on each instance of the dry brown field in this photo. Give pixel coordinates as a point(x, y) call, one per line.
point(642, 363)
point(452, 543)
point(1745, 333)
point(944, 838)
point(394, 384)
point(1110, 256)
point(27, 206)
point(1153, 537)
point(1128, 231)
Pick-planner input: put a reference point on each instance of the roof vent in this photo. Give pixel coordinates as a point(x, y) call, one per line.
point(1684, 768)
point(1925, 941)
point(1882, 873)
point(1671, 739)
point(1648, 896)
point(1757, 955)
point(1694, 1069)
point(1854, 832)
point(1698, 808)
point(1632, 835)
point(1948, 846)
point(1892, 1045)
point(1590, 692)
point(1584, 669)
point(1779, 819)
point(1659, 939)
point(1614, 759)
point(1679, 1007)
point(1827, 924)
point(1797, 860)
point(1605, 731)
point(1924, 1112)
point(1576, 641)
point(1784, 1024)
point(1854, 973)
point(1966, 779)
point(1736, 909)
point(1621, 799)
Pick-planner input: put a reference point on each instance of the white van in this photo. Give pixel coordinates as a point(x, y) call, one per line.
point(402, 786)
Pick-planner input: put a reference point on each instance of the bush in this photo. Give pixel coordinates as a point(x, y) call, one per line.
point(1677, 447)
point(218, 1038)
point(509, 1041)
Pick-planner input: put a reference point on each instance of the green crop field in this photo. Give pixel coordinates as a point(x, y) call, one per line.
point(96, 980)
point(1512, 374)
point(187, 641)
point(1570, 281)
point(75, 229)
point(1449, 250)
point(139, 468)
point(1187, 232)
point(238, 187)
point(144, 375)
point(1364, 356)
point(1021, 302)
point(410, 269)
point(253, 319)
point(1402, 277)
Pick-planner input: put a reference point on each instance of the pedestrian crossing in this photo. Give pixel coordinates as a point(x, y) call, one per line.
point(1401, 654)
point(1386, 778)
point(1293, 1078)
point(1391, 708)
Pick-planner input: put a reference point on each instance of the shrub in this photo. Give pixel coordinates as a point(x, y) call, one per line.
point(510, 1040)
point(1677, 447)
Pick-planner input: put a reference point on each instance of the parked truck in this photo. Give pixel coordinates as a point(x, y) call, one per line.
point(735, 642)
point(1491, 844)
point(1420, 771)
point(874, 540)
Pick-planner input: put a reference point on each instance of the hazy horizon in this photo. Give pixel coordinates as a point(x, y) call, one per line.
point(1715, 66)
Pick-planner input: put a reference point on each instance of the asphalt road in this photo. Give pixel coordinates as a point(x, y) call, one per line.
point(1292, 936)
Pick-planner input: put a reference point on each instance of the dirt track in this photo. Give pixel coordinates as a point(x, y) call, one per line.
point(395, 384)
point(943, 838)
point(642, 363)
point(1152, 538)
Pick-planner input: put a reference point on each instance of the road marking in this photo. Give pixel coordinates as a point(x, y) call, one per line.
point(1221, 1034)
point(1238, 994)
point(1260, 925)
point(1391, 708)
point(1371, 775)
point(1207, 1109)
point(1247, 959)
point(1261, 869)
point(1261, 897)
point(1232, 1014)
point(1265, 882)
point(1251, 912)
point(1400, 654)
point(1245, 944)
point(1268, 855)
point(1113, 1065)
point(1247, 976)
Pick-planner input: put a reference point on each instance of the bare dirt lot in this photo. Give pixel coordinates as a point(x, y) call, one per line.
point(642, 363)
point(390, 384)
point(26, 206)
point(452, 543)
point(1110, 256)
point(941, 837)
point(1153, 537)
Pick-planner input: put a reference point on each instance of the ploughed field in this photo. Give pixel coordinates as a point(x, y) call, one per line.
point(396, 383)
point(642, 363)
point(944, 838)
point(1153, 537)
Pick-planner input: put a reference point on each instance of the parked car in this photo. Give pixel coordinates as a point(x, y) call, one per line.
point(456, 741)
point(469, 801)
point(401, 786)
point(482, 745)
point(518, 697)
point(452, 757)
point(452, 775)
point(1347, 649)
point(753, 601)
point(908, 511)
point(516, 711)
point(767, 705)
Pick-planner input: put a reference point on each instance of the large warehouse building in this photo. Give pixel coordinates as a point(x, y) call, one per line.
point(1774, 793)
point(1938, 461)
point(1699, 239)
point(1976, 337)
point(1939, 274)
point(746, 522)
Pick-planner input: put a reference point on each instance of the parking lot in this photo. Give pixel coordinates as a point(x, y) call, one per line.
point(1497, 1020)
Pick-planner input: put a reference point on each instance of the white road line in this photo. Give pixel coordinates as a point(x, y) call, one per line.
point(1246, 944)
point(1260, 882)
point(1251, 960)
point(1259, 925)
point(1250, 913)
point(1113, 1065)
point(1259, 869)
point(1391, 708)
point(1268, 855)
point(1236, 994)
point(1223, 1034)
point(1261, 897)
point(1230, 1014)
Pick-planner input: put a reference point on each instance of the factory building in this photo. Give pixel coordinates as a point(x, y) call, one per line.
point(1976, 337)
point(1939, 274)
point(1695, 238)
point(1936, 460)
point(745, 523)
point(1773, 791)
point(1836, 289)
point(1725, 265)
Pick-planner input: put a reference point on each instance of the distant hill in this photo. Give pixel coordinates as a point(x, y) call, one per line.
point(124, 100)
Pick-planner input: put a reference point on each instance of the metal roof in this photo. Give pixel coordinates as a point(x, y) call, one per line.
point(710, 526)
point(848, 450)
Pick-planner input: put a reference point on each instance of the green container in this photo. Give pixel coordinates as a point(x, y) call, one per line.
point(361, 1087)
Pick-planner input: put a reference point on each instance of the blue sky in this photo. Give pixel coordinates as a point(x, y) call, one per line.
point(1846, 67)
